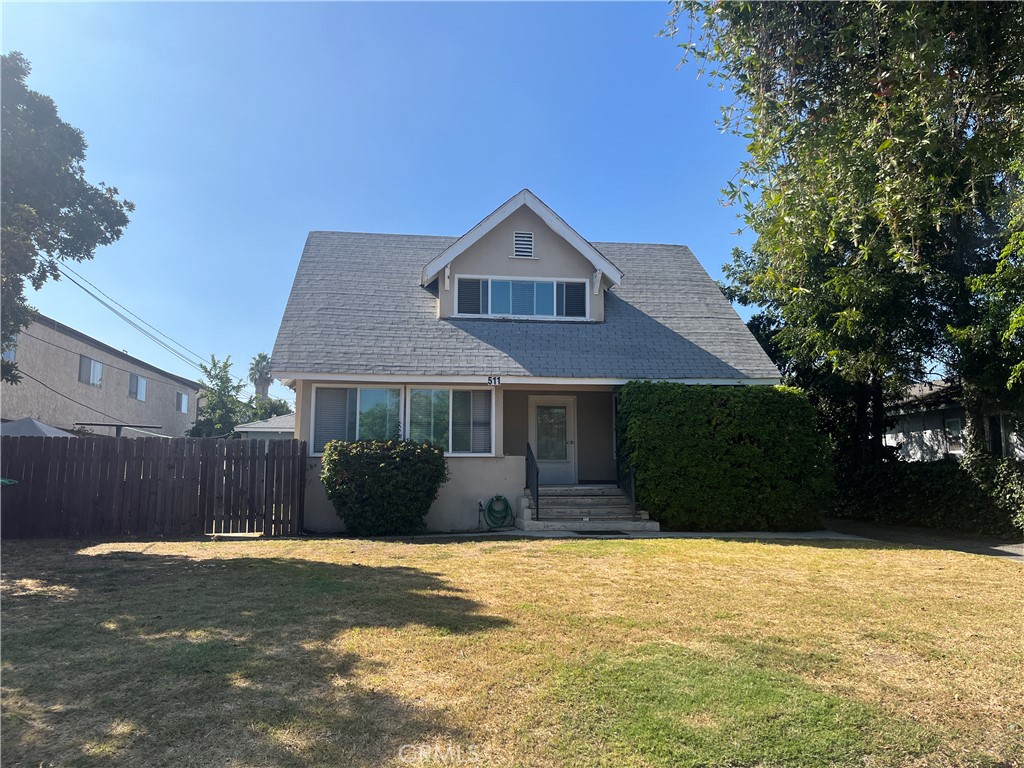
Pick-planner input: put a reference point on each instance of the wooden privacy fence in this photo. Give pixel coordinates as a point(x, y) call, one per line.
point(106, 486)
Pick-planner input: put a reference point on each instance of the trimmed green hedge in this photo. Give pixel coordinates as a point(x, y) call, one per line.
point(714, 458)
point(979, 494)
point(383, 487)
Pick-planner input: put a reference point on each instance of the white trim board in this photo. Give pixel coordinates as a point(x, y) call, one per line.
point(481, 379)
point(553, 220)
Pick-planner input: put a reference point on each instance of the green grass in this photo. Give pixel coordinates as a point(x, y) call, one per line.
point(669, 706)
point(513, 653)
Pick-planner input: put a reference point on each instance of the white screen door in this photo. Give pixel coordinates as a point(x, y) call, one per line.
point(553, 437)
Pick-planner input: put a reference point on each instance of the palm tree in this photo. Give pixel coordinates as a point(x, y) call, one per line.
point(259, 374)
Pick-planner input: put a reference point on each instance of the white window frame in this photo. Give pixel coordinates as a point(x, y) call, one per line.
point(539, 318)
point(184, 400)
point(456, 388)
point(403, 425)
point(145, 387)
point(94, 366)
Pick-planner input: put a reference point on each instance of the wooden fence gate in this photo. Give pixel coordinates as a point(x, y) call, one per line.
point(106, 486)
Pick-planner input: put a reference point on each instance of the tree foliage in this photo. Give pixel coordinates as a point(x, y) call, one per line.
point(49, 212)
point(221, 407)
point(260, 375)
point(881, 176)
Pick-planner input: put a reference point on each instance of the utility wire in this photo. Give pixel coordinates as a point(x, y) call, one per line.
point(136, 326)
point(23, 372)
point(195, 354)
point(142, 330)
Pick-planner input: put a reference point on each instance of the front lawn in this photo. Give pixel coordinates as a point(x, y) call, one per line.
point(514, 652)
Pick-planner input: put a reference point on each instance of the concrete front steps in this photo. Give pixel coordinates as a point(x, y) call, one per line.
point(582, 508)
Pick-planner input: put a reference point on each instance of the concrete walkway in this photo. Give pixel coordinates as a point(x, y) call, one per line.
point(931, 539)
point(515, 533)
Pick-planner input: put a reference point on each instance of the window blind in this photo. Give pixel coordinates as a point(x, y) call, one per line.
point(334, 416)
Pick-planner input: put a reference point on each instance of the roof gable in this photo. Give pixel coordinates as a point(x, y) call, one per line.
point(555, 222)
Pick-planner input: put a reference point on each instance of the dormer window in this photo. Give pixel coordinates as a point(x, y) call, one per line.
point(522, 246)
point(501, 297)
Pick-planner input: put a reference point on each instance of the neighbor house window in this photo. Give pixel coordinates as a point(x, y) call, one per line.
point(334, 416)
point(181, 402)
point(521, 298)
point(137, 388)
point(90, 371)
point(379, 413)
point(11, 353)
point(459, 421)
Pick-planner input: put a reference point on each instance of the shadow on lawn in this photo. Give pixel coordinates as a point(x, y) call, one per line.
point(128, 658)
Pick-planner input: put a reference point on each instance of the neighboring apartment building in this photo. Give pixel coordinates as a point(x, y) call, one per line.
point(69, 377)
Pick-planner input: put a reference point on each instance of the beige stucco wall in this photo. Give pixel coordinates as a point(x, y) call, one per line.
point(491, 255)
point(595, 441)
point(473, 479)
point(52, 357)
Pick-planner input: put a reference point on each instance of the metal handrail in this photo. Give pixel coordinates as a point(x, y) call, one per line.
point(627, 482)
point(533, 480)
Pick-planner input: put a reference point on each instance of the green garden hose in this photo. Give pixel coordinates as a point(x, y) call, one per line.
point(498, 513)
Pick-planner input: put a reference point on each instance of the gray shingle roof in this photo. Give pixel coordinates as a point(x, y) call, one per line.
point(285, 423)
point(357, 307)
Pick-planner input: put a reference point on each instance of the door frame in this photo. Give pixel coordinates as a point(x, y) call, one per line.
point(532, 401)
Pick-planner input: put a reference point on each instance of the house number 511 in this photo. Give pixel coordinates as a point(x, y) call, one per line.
point(494, 381)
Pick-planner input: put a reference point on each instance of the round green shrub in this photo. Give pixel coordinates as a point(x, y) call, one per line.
point(715, 458)
point(383, 487)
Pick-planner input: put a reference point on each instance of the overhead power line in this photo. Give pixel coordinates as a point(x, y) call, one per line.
point(23, 372)
point(122, 306)
point(99, 297)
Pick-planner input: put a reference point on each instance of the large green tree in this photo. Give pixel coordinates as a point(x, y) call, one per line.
point(880, 179)
point(48, 211)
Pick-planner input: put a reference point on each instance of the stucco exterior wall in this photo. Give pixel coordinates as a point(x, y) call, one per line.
point(47, 354)
point(492, 255)
point(472, 480)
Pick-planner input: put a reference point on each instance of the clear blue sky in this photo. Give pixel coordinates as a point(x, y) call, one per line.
point(236, 128)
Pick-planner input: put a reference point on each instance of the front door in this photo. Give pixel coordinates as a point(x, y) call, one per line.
point(553, 437)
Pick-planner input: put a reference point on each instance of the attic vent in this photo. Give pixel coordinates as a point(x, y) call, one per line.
point(523, 245)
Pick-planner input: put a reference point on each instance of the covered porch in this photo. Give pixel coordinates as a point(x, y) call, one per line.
point(573, 477)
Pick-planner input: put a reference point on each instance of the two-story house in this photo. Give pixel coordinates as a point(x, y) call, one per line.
point(507, 342)
point(70, 378)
